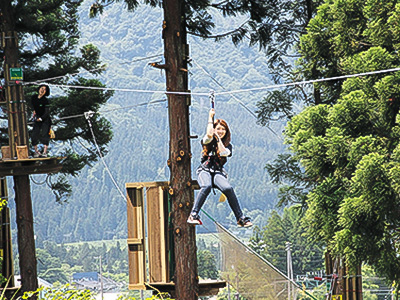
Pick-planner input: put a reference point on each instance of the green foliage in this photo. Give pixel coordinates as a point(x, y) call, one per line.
point(49, 52)
point(285, 169)
point(62, 292)
point(162, 296)
point(282, 50)
point(270, 242)
point(261, 25)
point(207, 268)
point(348, 147)
point(60, 262)
point(350, 208)
point(224, 293)
point(139, 148)
point(3, 203)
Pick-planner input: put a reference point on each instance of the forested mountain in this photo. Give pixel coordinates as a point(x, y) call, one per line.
point(139, 149)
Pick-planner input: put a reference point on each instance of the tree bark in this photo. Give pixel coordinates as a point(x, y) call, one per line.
point(18, 135)
point(175, 53)
point(26, 238)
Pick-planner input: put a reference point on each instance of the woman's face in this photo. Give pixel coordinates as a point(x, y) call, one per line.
point(220, 130)
point(42, 90)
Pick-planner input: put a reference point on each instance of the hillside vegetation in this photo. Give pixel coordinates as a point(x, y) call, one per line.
point(139, 149)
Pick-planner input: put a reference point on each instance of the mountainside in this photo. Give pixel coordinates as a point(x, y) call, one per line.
point(139, 149)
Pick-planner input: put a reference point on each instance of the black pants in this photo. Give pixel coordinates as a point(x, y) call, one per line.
point(41, 132)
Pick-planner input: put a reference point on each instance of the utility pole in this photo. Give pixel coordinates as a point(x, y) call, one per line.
point(101, 278)
point(289, 268)
point(229, 289)
point(176, 53)
point(237, 287)
point(17, 132)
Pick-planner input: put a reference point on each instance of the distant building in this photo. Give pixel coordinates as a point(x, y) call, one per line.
point(41, 282)
point(92, 281)
point(91, 276)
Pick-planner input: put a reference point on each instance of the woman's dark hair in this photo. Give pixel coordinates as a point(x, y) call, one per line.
point(47, 89)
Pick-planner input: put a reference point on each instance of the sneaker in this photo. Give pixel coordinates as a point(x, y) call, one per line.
point(43, 155)
point(194, 220)
point(244, 222)
point(36, 154)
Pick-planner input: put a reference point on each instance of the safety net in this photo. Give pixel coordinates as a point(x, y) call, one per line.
point(251, 275)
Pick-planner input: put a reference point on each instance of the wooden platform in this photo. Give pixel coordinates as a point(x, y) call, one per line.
point(206, 288)
point(151, 256)
point(194, 184)
point(15, 167)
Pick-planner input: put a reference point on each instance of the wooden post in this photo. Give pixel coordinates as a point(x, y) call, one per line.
point(17, 130)
point(5, 238)
point(136, 236)
point(26, 240)
point(358, 284)
point(175, 53)
point(347, 285)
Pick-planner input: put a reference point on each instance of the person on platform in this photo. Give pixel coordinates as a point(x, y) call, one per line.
point(41, 120)
point(216, 148)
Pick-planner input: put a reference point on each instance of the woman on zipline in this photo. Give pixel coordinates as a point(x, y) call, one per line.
point(216, 148)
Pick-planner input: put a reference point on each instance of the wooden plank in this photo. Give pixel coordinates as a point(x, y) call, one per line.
point(137, 287)
point(16, 167)
point(17, 170)
point(32, 159)
point(194, 184)
point(163, 235)
point(206, 288)
point(135, 241)
point(156, 235)
point(359, 283)
point(136, 253)
point(347, 284)
point(146, 184)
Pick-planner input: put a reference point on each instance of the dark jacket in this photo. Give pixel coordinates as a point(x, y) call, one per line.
point(41, 107)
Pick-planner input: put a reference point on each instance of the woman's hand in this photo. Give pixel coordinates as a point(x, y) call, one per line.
point(211, 114)
point(210, 125)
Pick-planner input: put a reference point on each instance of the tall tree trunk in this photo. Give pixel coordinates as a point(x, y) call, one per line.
point(175, 52)
point(26, 240)
point(17, 130)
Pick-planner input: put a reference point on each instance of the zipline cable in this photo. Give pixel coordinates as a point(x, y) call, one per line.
point(88, 115)
point(113, 109)
point(91, 70)
point(275, 86)
point(119, 89)
point(234, 97)
point(220, 85)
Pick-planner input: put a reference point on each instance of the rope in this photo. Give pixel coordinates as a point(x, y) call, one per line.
point(114, 109)
point(276, 86)
point(88, 115)
point(135, 105)
point(234, 97)
point(310, 81)
point(91, 70)
point(119, 89)
point(36, 182)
